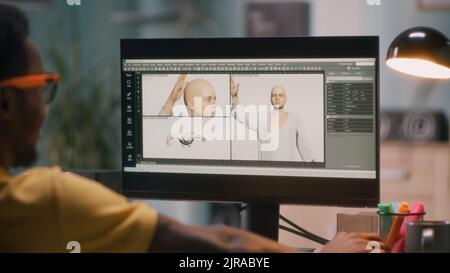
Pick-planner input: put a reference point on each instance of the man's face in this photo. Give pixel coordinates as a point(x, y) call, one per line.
point(28, 112)
point(278, 97)
point(200, 98)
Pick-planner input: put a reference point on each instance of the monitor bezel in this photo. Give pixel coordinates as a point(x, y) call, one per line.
point(351, 192)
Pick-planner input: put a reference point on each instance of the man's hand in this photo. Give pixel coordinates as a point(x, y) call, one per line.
point(234, 89)
point(173, 236)
point(354, 243)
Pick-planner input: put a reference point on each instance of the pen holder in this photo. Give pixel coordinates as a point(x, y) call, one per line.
point(387, 218)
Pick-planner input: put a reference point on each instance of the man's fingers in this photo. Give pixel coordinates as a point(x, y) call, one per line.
point(385, 247)
point(235, 89)
point(375, 238)
point(369, 236)
point(373, 242)
point(233, 83)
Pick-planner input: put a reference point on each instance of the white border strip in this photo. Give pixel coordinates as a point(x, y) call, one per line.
point(296, 172)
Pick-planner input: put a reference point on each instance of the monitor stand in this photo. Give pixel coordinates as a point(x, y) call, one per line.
point(261, 218)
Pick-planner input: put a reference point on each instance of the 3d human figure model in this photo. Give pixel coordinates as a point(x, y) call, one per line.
point(199, 97)
point(292, 145)
point(200, 101)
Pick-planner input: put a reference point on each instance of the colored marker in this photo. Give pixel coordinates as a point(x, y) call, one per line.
point(395, 205)
point(416, 208)
point(399, 246)
point(387, 219)
point(397, 224)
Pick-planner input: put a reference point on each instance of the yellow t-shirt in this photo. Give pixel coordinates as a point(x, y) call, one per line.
point(43, 209)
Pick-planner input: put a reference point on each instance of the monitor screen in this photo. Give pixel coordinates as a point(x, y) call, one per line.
point(297, 125)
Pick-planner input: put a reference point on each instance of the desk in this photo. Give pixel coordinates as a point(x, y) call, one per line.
point(409, 172)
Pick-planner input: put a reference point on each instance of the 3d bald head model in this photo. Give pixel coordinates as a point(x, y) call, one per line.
point(278, 97)
point(199, 97)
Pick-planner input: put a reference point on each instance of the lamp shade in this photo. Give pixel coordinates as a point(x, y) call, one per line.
point(422, 52)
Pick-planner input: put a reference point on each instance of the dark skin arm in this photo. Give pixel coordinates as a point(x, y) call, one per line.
point(173, 236)
point(354, 243)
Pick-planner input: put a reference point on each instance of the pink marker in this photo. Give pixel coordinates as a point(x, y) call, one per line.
point(399, 246)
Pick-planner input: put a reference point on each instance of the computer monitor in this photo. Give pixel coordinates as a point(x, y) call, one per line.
point(256, 120)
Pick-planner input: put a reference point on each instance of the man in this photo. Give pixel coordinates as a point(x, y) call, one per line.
point(43, 209)
point(292, 144)
point(199, 97)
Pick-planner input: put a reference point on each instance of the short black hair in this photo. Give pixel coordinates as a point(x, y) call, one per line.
point(14, 31)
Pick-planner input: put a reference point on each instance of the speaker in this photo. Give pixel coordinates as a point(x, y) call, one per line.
point(413, 126)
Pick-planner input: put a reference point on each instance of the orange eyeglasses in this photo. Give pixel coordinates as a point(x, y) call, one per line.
point(47, 81)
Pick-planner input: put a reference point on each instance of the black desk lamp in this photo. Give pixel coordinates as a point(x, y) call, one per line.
point(421, 52)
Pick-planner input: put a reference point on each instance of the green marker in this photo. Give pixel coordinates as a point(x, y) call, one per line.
point(387, 219)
